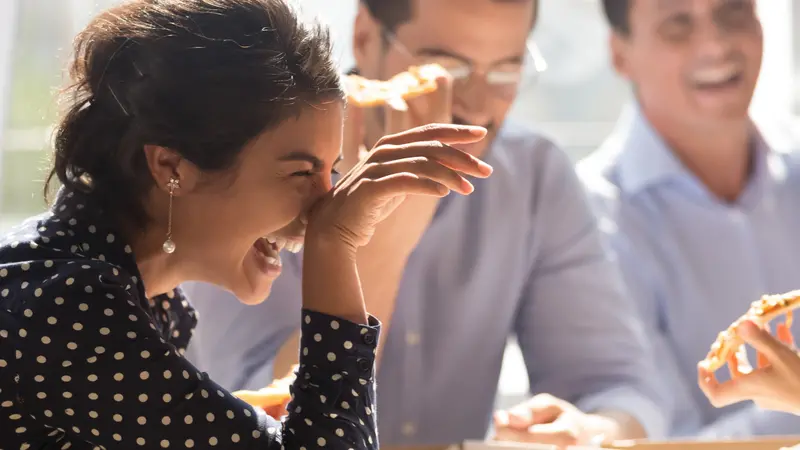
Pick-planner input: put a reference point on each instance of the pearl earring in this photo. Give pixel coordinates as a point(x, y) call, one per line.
point(169, 244)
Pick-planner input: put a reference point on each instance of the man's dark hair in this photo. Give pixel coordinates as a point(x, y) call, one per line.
point(393, 13)
point(201, 77)
point(617, 12)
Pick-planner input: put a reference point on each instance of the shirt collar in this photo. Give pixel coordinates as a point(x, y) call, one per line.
point(90, 235)
point(99, 240)
point(645, 159)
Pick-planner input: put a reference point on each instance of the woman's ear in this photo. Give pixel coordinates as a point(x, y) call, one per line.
point(166, 164)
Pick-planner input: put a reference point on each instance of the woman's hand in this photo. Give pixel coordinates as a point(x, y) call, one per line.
point(415, 162)
point(774, 385)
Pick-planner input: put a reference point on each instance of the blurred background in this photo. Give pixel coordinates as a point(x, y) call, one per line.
point(575, 101)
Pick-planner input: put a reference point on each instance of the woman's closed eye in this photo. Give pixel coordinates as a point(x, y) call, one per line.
point(311, 165)
point(311, 173)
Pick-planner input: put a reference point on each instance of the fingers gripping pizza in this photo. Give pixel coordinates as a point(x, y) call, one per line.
point(416, 81)
point(761, 313)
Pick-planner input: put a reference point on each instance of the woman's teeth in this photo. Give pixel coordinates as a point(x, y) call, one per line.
point(270, 253)
point(283, 243)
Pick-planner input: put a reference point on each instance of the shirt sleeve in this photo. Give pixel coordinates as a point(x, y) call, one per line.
point(578, 330)
point(98, 369)
point(641, 281)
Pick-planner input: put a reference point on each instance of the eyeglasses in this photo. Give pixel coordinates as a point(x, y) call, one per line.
point(503, 80)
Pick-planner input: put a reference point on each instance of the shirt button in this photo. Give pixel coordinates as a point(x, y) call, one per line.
point(364, 365)
point(412, 338)
point(409, 429)
point(369, 339)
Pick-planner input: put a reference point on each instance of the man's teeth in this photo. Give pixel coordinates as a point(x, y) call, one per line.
point(283, 243)
point(716, 75)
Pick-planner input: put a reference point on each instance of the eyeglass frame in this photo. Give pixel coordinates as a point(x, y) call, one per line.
point(533, 58)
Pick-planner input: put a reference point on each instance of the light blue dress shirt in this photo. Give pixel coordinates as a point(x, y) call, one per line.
point(694, 263)
point(521, 256)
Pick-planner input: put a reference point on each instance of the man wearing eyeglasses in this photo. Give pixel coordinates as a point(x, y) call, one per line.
point(700, 203)
point(519, 257)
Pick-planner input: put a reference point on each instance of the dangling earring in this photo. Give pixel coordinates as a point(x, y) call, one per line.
point(169, 245)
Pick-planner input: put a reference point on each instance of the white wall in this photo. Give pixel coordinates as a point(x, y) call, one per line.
point(338, 14)
point(774, 93)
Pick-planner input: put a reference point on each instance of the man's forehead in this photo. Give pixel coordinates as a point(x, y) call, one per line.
point(438, 7)
point(480, 31)
point(673, 5)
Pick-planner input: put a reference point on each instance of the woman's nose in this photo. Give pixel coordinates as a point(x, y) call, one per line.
point(322, 185)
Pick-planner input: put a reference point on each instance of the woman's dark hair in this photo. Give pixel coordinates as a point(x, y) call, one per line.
point(201, 77)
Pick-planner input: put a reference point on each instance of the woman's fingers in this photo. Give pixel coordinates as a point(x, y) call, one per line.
point(447, 134)
point(722, 394)
point(763, 342)
point(733, 366)
point(761, 359)
point(708, 383)
point(784, 335)
point(434, 150)
point(403, 183)
point(421, 167)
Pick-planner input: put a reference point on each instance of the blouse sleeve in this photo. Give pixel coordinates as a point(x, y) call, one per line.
point(96, 367)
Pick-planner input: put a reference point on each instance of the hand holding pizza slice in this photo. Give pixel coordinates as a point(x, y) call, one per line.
point(775, 383)
point(762, 312)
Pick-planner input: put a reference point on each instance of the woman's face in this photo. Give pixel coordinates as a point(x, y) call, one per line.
point(229, 227)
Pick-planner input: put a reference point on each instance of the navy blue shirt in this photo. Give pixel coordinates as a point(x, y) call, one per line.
point(86, 361)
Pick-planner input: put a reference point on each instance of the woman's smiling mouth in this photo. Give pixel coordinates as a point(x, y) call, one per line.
point(268, 248)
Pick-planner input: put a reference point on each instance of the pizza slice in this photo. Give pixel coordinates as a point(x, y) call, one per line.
point(271, 397)
point(761, 313)
point(274, 397)
point(416, 81)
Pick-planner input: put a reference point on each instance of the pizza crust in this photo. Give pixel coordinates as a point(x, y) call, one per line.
point(761, 313)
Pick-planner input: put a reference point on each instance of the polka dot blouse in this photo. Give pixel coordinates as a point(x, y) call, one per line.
point(87, 362)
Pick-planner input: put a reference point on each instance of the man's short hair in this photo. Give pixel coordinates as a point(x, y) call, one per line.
point(617, 12)
point(393, 13)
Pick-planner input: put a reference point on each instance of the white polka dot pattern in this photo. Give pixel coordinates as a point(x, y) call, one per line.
point(103, 365)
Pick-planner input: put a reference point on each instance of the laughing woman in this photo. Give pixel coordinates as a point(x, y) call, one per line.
point(197, 134)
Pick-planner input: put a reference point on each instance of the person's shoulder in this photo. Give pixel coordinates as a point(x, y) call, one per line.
point(516, 140)
point(527, 157)
point(599, 174)
point(41, 258)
